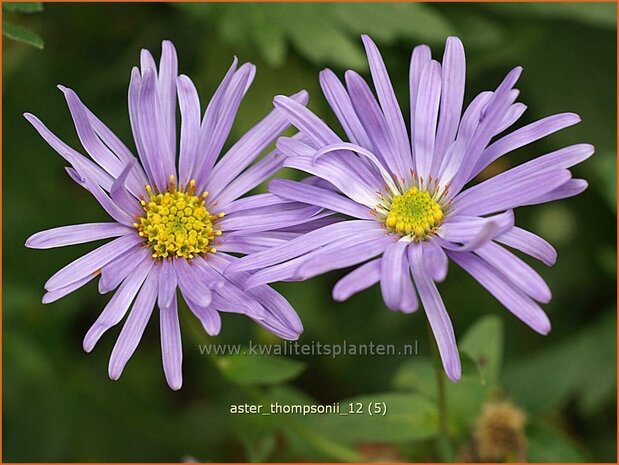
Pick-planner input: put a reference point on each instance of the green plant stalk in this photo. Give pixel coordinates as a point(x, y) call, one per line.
point(444, 446)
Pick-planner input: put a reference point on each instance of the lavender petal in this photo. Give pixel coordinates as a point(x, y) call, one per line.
point(189, 104)
point(305, 121)
point(251, 178)
point(508, 190)
point(300, 156)
point(167, 284)
point(250, 146)
point(121, 196)
point(512, 115)
point(111, 207)
point(258, 221)
point(75, 234)
point(301, 245)
point(465, 228)
point(192, 283)
point(230, 105)
point(357, 280)
point(426, 116)
point(375, 124)
point(133, 329)
point(387, 99)
point(99, 152)
point(92, 262)
point(348, 256)
point(118, 269)
point(59, 293)
point(135, 86)
point(530, 244)
point(80, 163)
point(514, 300)
point(138, 179)
point(293, 190)
point(568, 189)
point(524, 136)
point(420, 56)
point(452, 96)
point(171, 345)
point(436, 313)
point(152, 132)
point(435, 260)
point(281, 318)
point(390, 274)
point(117, 307)
point(340, 103)
point(208, 316)
point(168, 71)
point(517, 271)
point(490, 119)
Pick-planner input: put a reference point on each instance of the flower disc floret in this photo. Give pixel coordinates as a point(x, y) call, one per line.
point(177, 224)
point(414, 213)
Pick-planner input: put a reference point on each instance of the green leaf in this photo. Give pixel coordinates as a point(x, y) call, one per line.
point(583, 367)
point(408, 417)
point(483, 342)
point(259, 370)
point(21, 34)
point(23, 7)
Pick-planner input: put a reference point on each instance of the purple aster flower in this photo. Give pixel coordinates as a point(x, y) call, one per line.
point(404, 199)
point(175, 221)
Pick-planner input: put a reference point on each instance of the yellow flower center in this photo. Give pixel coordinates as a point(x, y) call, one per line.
point(176, 223)
point(414, 213)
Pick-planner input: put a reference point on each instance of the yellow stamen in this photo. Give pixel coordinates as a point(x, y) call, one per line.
point(414, 213)
point(176, 223)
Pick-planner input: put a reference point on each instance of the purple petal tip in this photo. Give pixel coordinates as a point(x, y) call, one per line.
point(454, 376)
point(114, 372)
point(176, 384)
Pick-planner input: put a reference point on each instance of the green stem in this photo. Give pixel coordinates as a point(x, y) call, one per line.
point(444, 447)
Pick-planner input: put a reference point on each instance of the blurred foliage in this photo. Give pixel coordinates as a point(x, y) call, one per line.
point(565, 382)
point(17, 32)
point(321, 33)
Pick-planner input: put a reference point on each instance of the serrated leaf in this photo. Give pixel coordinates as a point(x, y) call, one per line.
point(259, 370)
point(21, 34)
point(23, 7)
point(323, 33)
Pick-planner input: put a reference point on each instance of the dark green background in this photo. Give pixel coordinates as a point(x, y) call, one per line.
point(59, 404)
